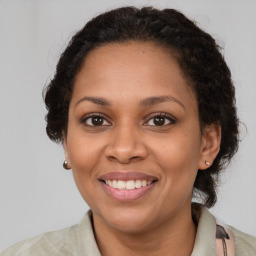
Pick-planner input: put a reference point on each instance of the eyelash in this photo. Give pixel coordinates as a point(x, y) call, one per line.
point(92, 115)
point(161, 115)
point(166, 116)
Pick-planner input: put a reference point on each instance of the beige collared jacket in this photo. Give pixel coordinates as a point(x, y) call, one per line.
point(79, 240)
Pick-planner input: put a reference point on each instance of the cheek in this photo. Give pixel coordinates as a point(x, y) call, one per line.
point(179, 159)
point(84, 155)
point(84, 158)
point(83, 150)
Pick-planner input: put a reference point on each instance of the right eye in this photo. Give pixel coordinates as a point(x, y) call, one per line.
point(95, 120)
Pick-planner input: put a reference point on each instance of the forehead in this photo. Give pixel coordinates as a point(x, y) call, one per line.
point(132, 68)
point(129, 56)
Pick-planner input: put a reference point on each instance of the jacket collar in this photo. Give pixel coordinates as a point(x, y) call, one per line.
point(204, 242)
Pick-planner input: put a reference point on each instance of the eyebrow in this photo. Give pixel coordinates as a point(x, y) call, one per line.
point(144, 103)
point(95, 100)
point(160, 99)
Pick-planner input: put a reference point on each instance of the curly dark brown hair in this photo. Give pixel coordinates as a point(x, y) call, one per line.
point(197, 54)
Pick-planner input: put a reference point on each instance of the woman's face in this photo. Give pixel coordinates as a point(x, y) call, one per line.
point(134, 140)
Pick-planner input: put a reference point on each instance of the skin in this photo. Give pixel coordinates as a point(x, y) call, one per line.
point(125, 74)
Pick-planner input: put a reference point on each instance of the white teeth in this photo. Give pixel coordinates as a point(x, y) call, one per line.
point(130, 184)
point(144, 183)
point(121, 184)
point(114, 184)
point(138, 183)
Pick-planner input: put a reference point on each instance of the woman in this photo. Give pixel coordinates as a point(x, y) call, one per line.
point(144, 105)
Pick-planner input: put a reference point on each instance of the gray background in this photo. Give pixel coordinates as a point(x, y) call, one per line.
point(36, 194)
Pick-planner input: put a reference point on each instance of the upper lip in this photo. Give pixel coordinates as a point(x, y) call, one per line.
point(127, 175)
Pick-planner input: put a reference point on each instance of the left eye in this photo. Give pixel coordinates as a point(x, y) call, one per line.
point(96, 121)
point(160, 120)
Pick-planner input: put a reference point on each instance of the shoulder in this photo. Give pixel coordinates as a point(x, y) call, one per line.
point(50, 243)
point(76, 240)
point(206, 242)
point(244, 244)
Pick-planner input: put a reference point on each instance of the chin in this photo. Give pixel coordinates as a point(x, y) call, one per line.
point(129, 220)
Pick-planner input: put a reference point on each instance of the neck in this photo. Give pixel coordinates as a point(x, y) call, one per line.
point(176, 236)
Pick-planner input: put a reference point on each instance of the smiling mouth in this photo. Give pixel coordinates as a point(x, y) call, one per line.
point(127, 185)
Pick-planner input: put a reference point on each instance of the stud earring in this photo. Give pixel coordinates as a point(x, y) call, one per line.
point(65, 165)
point(207, 163)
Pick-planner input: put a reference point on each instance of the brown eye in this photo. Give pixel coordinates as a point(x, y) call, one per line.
point(95, 121)
point(160, 120)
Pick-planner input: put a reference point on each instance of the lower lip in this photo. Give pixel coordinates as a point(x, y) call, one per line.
point(126, 195)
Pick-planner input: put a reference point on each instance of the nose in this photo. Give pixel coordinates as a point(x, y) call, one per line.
point(126, 146)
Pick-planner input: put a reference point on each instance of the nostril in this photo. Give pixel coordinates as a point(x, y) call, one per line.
point(121, 159)
point(112, 158)
point(135, 157)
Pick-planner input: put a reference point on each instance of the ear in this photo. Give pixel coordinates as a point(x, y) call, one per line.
point(211, 139)
point(65, 147)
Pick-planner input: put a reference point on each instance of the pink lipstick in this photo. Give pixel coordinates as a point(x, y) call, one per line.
point(127, 186)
